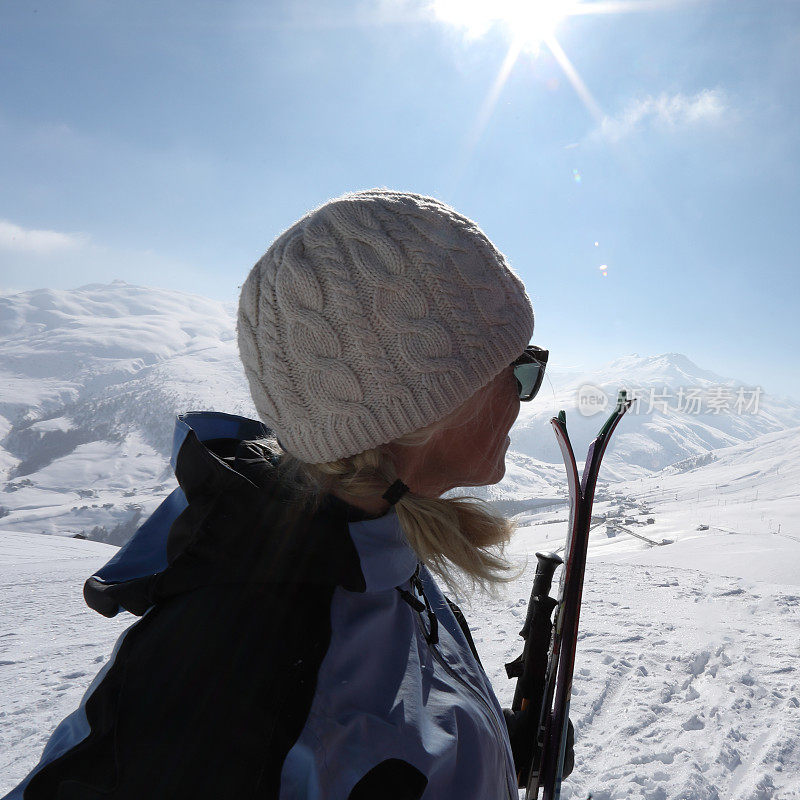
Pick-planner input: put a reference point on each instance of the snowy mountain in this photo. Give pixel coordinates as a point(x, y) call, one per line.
point(686, 679)
point(681, 411)
point(91, 380)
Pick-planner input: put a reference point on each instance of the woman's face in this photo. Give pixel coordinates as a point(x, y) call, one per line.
point(472, 451)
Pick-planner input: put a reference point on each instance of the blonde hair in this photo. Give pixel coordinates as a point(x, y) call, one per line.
point(460, 538)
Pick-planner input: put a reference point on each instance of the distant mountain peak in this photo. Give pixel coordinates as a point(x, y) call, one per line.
point(668, 368)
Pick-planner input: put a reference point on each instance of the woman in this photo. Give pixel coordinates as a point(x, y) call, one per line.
point(294, 642)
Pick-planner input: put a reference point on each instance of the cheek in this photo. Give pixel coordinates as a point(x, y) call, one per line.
point(510, 404)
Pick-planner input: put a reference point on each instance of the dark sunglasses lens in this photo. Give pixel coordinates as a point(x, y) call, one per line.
point(529, 379)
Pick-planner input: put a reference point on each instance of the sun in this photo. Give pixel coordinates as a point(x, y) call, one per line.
point(530, 27)
point(528, 22)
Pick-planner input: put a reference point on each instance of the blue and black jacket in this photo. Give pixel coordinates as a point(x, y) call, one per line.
point(305, 660)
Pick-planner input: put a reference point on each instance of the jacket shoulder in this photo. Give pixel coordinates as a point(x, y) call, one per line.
point(207, 695)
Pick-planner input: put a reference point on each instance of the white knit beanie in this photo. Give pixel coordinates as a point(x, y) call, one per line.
point(373, 316)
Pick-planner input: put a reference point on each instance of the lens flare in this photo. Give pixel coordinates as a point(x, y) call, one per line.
point(576, 176)
point(529, 21)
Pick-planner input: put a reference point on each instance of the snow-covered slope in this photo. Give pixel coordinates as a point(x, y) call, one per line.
point(51, 643)
point(688, 665)
point(735, 513)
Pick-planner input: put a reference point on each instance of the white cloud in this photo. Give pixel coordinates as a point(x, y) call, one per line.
point(666, 112)
point(38, 242)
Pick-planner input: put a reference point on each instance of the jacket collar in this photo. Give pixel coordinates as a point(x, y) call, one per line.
point(387, 559)
point(219, 527)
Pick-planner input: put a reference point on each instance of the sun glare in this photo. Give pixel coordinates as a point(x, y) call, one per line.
point(529, 22)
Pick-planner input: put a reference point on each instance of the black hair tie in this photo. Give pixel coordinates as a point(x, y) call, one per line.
point(395, 492)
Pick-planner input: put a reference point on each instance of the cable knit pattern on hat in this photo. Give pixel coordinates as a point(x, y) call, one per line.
point(373, 316)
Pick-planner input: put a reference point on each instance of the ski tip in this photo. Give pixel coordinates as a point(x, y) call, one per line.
point(562, 417)
point(622, 400)
point(623, 404)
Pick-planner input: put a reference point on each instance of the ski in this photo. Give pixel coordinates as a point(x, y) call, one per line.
point(550, 677)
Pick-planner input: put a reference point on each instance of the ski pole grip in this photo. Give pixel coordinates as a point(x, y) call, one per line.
point(545, 567)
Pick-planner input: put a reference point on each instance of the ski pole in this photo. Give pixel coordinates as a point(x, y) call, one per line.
point(530, 667)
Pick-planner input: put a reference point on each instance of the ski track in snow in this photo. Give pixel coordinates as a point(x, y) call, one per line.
point(686, 684)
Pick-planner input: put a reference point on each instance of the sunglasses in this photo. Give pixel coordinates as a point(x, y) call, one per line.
point(529, 371)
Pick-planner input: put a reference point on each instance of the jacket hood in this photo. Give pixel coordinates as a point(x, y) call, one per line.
point(230, 521)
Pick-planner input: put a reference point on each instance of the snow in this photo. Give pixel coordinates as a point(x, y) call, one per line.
point(688, 668)
point(55, 424)
point(51, 643)
point(93, 378)
point(687, 678)
point(680, 679)
point(687, 682)
point(773, 559)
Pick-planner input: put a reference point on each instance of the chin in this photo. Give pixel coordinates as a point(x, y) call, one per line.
point(497, 475)
point(489, 477)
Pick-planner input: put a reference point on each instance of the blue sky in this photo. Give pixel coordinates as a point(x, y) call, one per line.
point(167, 143)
